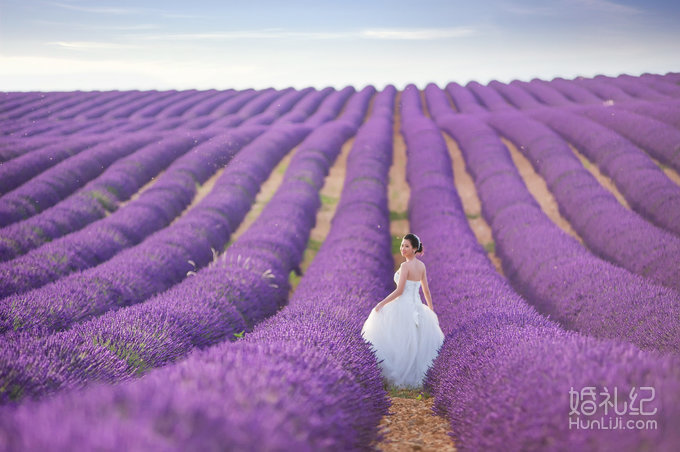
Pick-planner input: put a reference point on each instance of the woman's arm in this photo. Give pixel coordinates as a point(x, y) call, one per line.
point(426, 289)
point(403, 273)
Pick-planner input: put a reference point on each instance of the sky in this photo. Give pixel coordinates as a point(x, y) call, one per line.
point(200, 44)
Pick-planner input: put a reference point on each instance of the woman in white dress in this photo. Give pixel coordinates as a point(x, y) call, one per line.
point(404, 333)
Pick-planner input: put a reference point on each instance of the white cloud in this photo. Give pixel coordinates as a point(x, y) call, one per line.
point(610, 7)
point(245, 34)
point(421, 34)
point(528, 10)
point(130, 27)
point(96, 26)
point(99, 10)
point(180, 15)
point(393, 34)
point(125, 11)
point(85, 45)
point(559, 7)
point(50, 73)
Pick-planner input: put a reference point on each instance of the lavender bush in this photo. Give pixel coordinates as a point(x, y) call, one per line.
point(634, 86)
point(154, 209)
point(659, 139)
point(667, 112)
point(248, 283)
point(642, 183)
point(504, 372)
point(165, 257)
point(64, 178)
point(19, 170)
point(574, 92)
point(276, 389)
point(463, 99)
point(302, 378)
point(568, 283)
point(491, 99)
point(609, 229)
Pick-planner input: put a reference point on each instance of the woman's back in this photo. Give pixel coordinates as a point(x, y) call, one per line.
point(415, 268)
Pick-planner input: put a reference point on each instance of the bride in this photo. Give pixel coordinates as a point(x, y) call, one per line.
point(404, 333)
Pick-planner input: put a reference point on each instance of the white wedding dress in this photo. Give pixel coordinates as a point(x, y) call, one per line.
point(405, 337)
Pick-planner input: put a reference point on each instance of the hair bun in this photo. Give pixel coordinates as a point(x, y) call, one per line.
point(418, 245)
point(420, 242)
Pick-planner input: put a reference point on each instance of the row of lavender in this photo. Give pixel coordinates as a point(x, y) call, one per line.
point(263, 109)
point(250, 282)
point(549, 267)
point(645, 187)
point(653, 128)
point(161, 260)
point(67, 113)
point(609, 229)
point(154, 209)
point(86, 112)
point(650, 121)
point(657, 102)
point(191, 103)
point(504, 373)
point(302, 381)
point(538, 93)
point(49, 187)
point(128, 104)
point(87, 162)
point(75, 212)
point(159, 111)
point(647, 190)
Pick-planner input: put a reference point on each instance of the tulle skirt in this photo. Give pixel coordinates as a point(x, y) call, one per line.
point(405, 337)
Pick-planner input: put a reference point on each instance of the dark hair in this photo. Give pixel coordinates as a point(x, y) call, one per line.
point(415, 242)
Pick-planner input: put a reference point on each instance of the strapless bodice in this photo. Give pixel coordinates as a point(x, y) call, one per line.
point(396, 279)
point(411, 287)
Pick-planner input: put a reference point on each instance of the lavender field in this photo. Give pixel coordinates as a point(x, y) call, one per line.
point(150, 299)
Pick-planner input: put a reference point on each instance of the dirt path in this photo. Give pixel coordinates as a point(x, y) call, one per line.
point(411, 425)
point(330, 195)
point(398, 194)
point(539, 190)
point(141, 190)
point(471, 203)
point(468, 193)
point(605, 181)
point(267, 190)
point(201, 193)
point(670, 172)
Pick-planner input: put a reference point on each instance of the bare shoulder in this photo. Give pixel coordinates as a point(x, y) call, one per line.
point(407, 268)
point(416, 268)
